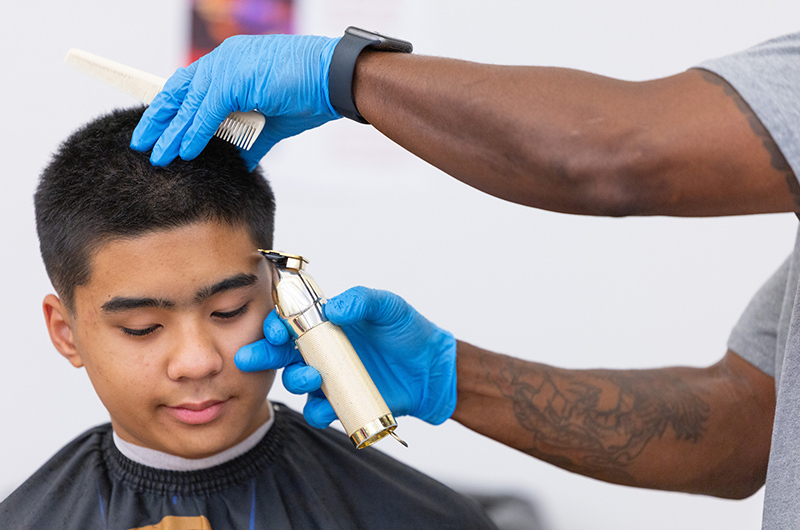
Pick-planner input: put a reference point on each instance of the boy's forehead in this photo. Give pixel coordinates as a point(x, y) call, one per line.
point(173, 262)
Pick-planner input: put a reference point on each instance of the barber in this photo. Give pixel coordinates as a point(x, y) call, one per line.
point(551, 138)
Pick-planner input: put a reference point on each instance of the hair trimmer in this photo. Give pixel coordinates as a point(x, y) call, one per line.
point(298, 300)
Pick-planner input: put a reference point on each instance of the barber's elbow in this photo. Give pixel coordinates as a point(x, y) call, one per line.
point(618, 177)
point(743, 490)
point(736, 484)
point(621, 186)
point(735, 477)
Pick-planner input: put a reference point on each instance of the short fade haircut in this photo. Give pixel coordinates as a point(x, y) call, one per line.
point(97, 189)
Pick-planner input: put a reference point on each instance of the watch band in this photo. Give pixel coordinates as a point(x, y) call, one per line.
point(343, 65)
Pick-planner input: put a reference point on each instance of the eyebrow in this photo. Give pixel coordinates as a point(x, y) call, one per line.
point(234, 282)
point(119, 304)
point(122, 303)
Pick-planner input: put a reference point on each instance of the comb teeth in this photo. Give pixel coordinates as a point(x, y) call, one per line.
point(241, 128)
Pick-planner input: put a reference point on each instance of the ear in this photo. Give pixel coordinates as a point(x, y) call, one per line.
point(60, 328)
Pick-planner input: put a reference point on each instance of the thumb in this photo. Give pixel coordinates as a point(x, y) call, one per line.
point(361, 303)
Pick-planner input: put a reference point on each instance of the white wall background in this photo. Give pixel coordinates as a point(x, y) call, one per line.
point(571, 291)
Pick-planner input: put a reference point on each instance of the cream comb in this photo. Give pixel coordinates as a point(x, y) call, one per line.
point(239, 128)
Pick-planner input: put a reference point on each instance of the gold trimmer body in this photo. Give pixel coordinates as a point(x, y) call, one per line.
point(298, 300)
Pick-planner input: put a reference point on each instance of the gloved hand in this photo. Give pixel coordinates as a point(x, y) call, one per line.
point(285, 77)
point(411, 361)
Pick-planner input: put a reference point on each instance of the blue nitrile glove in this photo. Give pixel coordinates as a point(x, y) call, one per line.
point(285, 77)
point(411, 361)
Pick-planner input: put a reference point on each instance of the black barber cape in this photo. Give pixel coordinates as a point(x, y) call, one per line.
point(296, 477)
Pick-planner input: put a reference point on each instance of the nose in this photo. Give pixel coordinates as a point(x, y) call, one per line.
point(195, 356)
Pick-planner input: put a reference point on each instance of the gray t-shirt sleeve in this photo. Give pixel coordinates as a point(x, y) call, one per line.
point(767, 76)
point(755, 337)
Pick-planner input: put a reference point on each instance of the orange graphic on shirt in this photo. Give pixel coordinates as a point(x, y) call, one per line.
point(172, 522)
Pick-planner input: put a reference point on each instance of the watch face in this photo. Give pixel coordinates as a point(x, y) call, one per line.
point(381, 42)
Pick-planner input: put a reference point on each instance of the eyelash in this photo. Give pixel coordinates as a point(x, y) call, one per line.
point(223, 315)
point(233, 314)
point(140, 332)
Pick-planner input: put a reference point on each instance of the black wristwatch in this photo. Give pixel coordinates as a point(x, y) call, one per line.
point(343, 64)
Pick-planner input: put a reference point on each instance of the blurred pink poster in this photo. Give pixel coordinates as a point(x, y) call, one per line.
point(215, 20)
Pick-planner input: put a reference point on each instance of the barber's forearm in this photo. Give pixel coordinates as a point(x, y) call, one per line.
point(575, 142)
point(683, 429)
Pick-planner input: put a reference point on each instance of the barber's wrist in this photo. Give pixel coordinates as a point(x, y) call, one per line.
point(367, 67)
point(441, 398)
point(474, 390)
point(346, 54)
point(381, 83)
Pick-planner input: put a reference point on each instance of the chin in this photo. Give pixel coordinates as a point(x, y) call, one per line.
point(199, 448)
point(195, 441)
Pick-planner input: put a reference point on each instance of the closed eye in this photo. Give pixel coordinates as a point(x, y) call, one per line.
point(231, 314)
point(140, 332)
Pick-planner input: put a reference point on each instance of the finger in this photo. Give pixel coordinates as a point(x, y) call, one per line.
point(274, 329)
point(262, 355)
point(168, 146)
point(154, 122)
point(210, 114)
point(299, 378)
point(162, 109)
point(318, 410)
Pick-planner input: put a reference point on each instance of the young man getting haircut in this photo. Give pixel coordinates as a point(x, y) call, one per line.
point(159, 284)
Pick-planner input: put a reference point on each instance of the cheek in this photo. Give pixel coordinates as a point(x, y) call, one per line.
point(113, 364)
point(258, 315)
point(122, 372)
point(254, 328)
point(259, 383)
point(250, 329)
point(123, 384)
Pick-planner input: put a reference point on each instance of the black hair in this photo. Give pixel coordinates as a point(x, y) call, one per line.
point(97, 189)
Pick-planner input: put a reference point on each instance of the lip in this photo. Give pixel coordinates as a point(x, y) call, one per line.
point(197, 413)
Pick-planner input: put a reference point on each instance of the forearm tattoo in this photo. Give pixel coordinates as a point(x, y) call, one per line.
point(778, 161)
point(596, 421)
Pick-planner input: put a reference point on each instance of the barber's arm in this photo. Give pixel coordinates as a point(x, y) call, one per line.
point(571, 141)
point(697, 430)
point(683, 429)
